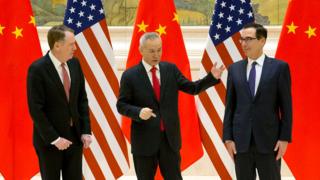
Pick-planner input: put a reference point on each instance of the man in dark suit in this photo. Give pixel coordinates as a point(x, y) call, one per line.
point(58, 106)
point(149, 96)
point(258, 116)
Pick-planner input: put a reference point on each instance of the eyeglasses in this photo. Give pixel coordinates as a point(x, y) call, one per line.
point(246, 39)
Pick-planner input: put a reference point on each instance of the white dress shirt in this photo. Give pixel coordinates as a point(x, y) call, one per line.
point(57, 65)
point(149, 73)
point(259, 66)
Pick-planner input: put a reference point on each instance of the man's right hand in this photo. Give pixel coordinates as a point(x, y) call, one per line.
point(146, 113)
point(63, 144)
point(231, 148)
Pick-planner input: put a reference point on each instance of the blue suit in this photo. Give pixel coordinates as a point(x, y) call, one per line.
point(266, 117)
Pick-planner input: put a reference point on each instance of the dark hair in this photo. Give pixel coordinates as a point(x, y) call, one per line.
point(261, 32)
point(57, 33)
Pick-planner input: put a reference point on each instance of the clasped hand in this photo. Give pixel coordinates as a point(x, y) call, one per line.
point(63, 144)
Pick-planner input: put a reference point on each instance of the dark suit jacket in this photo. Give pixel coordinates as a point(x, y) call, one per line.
point(267, 116)
point(48, 105)
point(136, 92)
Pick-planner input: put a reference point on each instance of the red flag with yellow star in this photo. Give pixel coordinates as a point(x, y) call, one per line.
point(161, 16)
point(19, 46)
point(299, 45)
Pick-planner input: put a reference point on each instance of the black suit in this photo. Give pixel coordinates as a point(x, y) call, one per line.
point(262, 120)
point(136, 92)
point(52, 114)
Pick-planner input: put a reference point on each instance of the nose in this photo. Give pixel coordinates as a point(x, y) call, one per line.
point(74, 47)
point(157, 53)
point(243, 43)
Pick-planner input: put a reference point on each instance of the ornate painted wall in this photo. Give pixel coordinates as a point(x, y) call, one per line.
point(191, 12)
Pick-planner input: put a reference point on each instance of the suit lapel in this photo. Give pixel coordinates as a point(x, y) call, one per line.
point(266, 69)
point(243, 75)
point(163, 77)
point(145, 80)
point(55, 76)
point(73, 73)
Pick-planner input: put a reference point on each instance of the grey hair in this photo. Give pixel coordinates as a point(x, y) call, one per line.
point(146, 36)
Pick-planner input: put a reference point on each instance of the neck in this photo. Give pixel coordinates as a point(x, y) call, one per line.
point(256, 56)
point(58, 56)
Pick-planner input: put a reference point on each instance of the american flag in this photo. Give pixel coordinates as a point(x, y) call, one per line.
point(223, 47)
point(107, 157)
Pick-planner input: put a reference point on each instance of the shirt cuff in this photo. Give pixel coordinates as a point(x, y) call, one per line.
point(55, 141)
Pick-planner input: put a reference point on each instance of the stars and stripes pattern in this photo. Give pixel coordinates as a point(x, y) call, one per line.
point(107, 157)
point(223, 47)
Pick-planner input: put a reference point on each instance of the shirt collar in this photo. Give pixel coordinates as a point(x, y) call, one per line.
point(148, 66)
point(259, 61)
point(54, 60)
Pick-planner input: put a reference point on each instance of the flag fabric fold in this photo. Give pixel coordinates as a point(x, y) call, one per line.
point(222, 47)
point(160, 16)
point(19, 47)
point(299, 46)
point(107, 157)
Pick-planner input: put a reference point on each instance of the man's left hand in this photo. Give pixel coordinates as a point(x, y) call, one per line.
point(86, 140)
point(217, 72)
point(281, 147)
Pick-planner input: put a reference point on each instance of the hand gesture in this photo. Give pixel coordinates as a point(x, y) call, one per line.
point(146, 113)
point(217, 72)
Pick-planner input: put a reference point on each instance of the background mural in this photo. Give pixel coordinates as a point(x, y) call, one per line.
point(191, 12)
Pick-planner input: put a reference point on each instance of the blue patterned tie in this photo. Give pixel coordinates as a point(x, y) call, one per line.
point(252, 78)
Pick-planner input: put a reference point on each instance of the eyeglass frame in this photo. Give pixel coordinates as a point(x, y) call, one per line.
point(246, 39)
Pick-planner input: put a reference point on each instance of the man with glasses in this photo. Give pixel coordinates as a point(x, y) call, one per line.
point(258, 116)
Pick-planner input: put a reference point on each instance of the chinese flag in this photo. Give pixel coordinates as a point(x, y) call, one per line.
point(161, 16)
point(299, 45)
point(19, 46)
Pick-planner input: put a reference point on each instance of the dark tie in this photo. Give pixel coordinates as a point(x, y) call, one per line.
point(252, 78)
point(156, 89)
point(66, 80)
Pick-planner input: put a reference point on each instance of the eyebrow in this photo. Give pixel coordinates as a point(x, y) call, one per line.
point(247, 37)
